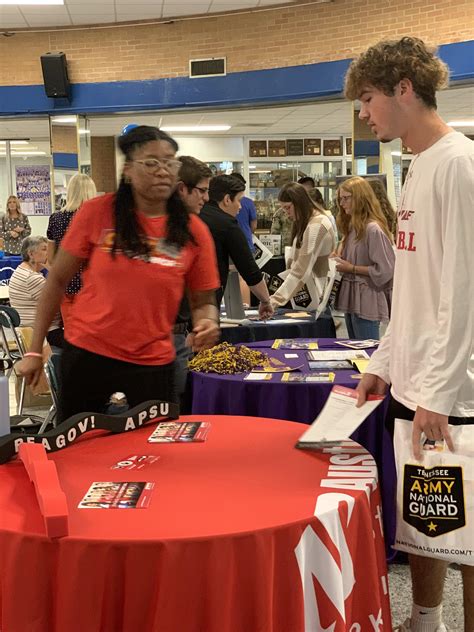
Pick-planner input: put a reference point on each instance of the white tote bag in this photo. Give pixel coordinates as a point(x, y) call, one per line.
point(435, 496)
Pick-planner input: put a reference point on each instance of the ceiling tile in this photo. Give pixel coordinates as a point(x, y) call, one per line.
point(13, 23)
point(185, 9)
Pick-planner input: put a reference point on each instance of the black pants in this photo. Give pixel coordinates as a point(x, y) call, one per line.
point(88, 380)
point(399, 411)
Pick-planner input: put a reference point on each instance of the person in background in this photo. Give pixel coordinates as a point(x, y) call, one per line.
point(27, 283)
point(247, 216)
point(316, 195)
point(307, 182)
point(282, 224)
point(225, 193)
point(15, 226)
point(193, 190)
point(426, 353)
point(247, 219)
point(313, 241)
point(79, 189)
point(142, 249)
point(387, 209)
point(366, 260)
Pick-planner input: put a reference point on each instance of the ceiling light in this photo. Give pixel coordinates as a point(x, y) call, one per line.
point(195, 128)
point(14, 142)
point(38, 2)
point(84, 131)
point(396, 153)
point(29, 153)
point(64, 119)
point(465, 123)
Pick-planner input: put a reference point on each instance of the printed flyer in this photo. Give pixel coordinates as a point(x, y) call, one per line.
point(113, 495)
point(180, 432)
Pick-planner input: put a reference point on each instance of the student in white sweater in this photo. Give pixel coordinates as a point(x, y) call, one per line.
point(427, 353)
point(313, 240)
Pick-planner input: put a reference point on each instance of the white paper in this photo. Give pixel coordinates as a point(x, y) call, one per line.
point(291, 355)
point(331, 354)
point(358, 344)
point(257, 377)
point(285, 321)
point(339, 417)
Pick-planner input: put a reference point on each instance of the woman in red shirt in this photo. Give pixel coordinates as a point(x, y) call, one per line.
point(142, 249)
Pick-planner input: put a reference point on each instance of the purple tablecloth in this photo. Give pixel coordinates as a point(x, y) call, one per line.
point(296, 401)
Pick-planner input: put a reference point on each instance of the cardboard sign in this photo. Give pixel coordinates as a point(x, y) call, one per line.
point(261, 253)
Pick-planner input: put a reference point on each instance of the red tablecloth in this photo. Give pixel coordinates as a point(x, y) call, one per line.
point(244, 533)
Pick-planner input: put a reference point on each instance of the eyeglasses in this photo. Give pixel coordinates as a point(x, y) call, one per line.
point(152, 164)
point(344, 198)
point(202, 190)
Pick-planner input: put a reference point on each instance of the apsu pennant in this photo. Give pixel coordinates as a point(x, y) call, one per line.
point(433, 499)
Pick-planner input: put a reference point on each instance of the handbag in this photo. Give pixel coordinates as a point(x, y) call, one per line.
point(435, 496)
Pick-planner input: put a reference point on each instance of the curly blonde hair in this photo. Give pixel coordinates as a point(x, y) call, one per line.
point(385, 64)
point(365, 209)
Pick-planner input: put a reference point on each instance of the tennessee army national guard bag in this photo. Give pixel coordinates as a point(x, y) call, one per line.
point(435, 496)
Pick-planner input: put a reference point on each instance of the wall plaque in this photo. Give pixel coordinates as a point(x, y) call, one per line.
point(332, 147)
point(277, 148)
point(294, 147)
point(258, 148)
point(312, 146)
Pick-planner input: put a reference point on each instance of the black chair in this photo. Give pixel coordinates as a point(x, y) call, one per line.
point(12, 344)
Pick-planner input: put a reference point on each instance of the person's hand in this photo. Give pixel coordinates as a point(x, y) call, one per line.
point(344, 266)
point(13, 234)
point(31, 368)
point(19, 229)
point(435, 427)
point(370, 384)
point(265, 310)
point(205, 334)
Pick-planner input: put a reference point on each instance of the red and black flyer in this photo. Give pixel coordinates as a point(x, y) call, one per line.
point(180, 432)
point(113, 495)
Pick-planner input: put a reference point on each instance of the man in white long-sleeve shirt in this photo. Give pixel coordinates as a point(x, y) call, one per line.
point(427, 353)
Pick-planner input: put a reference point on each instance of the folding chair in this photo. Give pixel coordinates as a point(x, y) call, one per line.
point(12, 344)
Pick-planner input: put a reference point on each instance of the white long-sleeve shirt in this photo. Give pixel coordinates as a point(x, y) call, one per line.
point(427, 352)
point(310, 260)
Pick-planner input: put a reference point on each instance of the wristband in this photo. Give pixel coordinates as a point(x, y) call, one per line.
point(265, 302)
point(33, 354)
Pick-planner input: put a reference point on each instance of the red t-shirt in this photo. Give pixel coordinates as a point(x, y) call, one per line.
point(127, 307)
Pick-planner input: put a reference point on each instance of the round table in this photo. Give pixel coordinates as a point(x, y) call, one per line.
point(296, 401)
point(237, 531)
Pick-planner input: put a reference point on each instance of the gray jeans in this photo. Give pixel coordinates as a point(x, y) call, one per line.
point(183, 354)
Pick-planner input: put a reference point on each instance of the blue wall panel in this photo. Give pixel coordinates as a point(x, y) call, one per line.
point(277, 85)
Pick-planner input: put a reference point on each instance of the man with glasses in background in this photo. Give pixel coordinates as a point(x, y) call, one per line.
point(193, 190)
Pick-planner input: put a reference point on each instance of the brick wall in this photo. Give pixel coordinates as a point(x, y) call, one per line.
point(64, 139)
point(103, 163)
point(269, 39)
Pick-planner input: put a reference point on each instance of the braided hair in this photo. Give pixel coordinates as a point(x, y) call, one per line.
point(129, 236)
